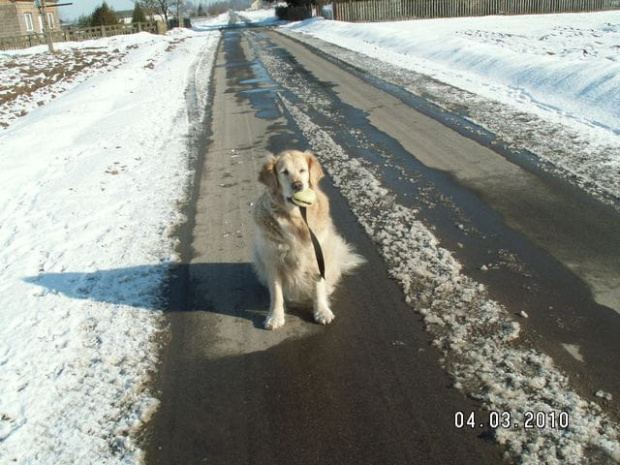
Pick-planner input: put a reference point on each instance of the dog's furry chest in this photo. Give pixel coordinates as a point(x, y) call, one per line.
point(292, 243)
point(283, 241)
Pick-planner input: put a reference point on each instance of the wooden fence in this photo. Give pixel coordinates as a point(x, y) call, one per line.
point(79, 34)
point(394, 10)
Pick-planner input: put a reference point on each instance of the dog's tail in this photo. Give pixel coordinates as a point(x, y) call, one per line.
point(341, 260)
point(346, 257)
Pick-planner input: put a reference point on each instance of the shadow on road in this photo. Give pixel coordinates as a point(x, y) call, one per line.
point(224, 288)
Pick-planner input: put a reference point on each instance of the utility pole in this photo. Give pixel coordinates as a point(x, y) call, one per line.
point(46, 29)
point(180, 21)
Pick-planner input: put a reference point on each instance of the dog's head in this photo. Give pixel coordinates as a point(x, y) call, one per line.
point(291, 171)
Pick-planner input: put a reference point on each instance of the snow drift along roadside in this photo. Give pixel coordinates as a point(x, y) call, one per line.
point(563, 63)
point(91, 186)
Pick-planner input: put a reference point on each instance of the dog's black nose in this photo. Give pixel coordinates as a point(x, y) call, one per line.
point(298, 186)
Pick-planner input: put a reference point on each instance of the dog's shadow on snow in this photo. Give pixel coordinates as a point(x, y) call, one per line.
point(230, 289)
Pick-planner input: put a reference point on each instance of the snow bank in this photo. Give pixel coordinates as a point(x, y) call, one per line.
point(569, 64)
point(261, 17)
point(211, 22)
point(91, 187)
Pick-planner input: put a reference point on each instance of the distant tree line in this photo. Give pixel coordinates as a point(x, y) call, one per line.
point(105, 16)
point(145, 9)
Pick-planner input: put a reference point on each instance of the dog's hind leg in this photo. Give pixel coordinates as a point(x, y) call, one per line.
point(275, 319)
point(322, 313)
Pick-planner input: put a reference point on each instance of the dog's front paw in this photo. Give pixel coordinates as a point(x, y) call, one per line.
point(274, 321)
point(323, 316)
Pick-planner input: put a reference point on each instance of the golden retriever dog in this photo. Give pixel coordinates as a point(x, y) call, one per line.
point(284, 257)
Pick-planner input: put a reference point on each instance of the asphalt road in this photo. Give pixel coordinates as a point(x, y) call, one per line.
point(367, 389)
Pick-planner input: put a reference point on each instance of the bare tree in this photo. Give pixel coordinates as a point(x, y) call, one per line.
point(157, 6)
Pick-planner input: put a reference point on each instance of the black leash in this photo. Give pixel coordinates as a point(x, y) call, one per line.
point(318, 252)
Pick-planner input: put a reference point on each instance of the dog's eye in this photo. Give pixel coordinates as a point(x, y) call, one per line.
point(285, 172)
point(303, 170)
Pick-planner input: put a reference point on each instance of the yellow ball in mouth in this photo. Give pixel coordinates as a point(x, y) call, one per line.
point(304, 198)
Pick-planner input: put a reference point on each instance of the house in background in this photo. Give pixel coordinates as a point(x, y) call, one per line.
point(126, 16)
point(21, 17)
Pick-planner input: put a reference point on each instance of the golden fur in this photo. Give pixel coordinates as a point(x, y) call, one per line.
point(283, 255)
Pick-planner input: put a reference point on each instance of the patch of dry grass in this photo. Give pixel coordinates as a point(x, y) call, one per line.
point(31, 80)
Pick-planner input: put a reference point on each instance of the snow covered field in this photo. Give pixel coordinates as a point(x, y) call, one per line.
point(555, 79)
point(93, 168)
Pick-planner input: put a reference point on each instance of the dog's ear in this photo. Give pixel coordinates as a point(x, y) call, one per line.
point(314, 167)
point(268, 175)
